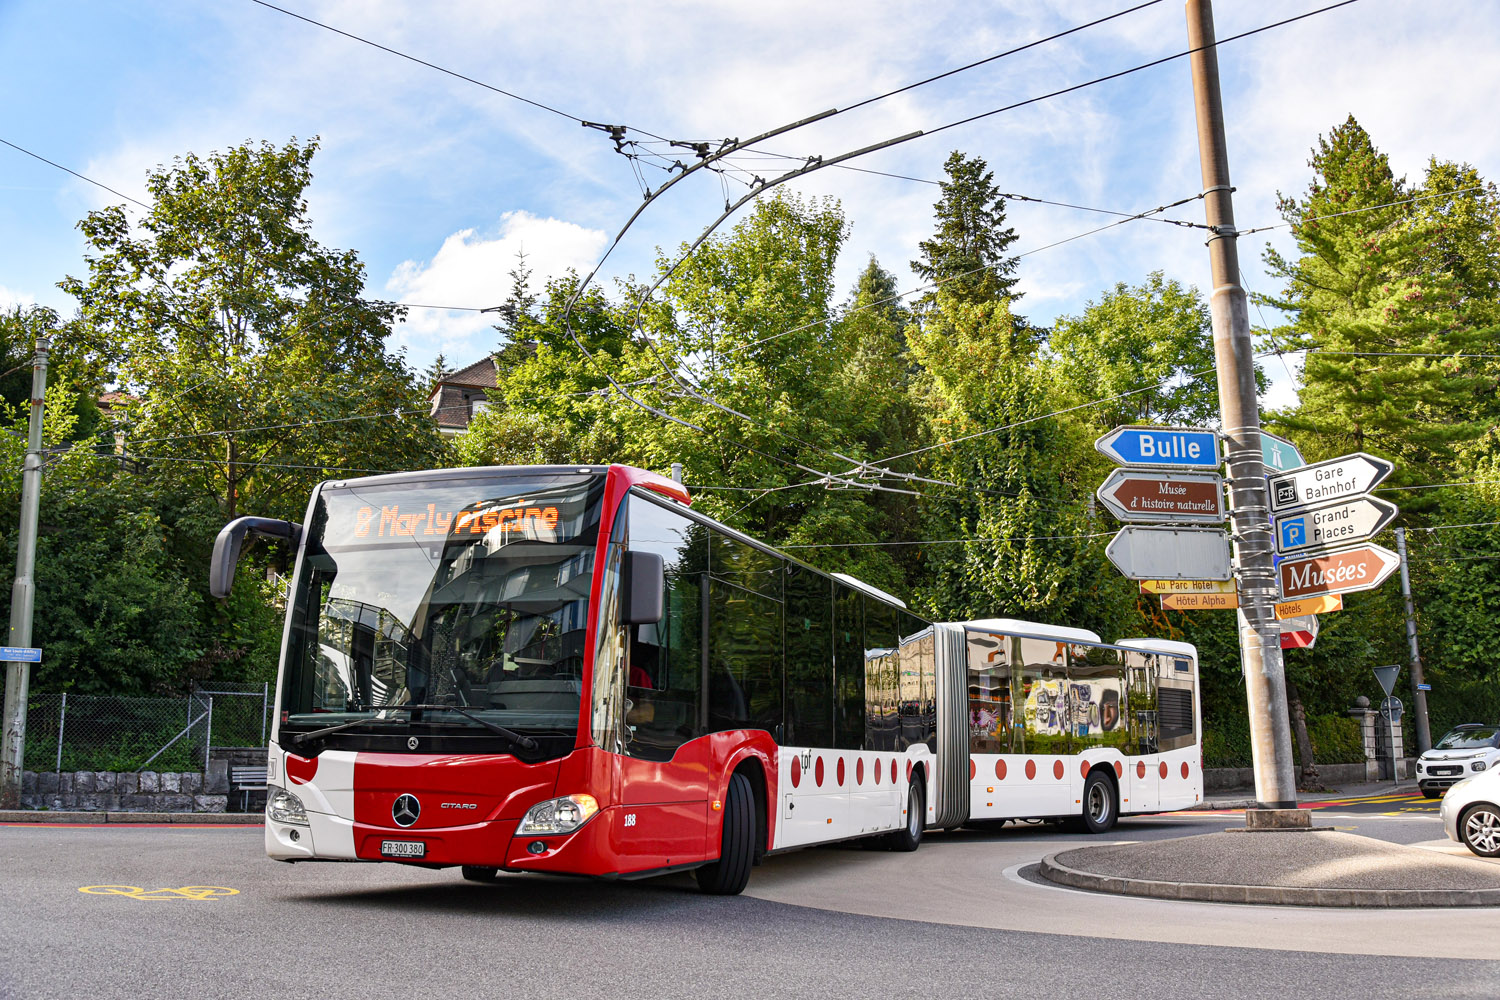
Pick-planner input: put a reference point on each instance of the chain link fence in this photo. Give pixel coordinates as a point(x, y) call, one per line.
point(77, 732)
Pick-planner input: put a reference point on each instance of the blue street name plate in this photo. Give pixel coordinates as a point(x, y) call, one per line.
point(20, 654)
point(1163, 447)
point(1424, 687)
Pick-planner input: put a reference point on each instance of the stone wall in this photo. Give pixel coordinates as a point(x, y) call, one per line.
point(127, 791)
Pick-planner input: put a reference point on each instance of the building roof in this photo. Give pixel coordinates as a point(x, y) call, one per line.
point(481, 374)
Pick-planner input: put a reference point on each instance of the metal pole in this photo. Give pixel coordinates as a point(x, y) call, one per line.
point(62, 719)
point(677, 471)
point(208, 733)
point(1418, 696)
point(1260, 637)
point(23, 591)
point(265, 696)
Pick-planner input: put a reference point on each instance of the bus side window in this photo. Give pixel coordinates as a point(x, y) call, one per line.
point(744, 681)
point(849, 668)
point(1096, 690)
point(809, 658)
point(881, 664)
point(1141, 701)
point(912, 682)
point(1174, 701)
point(989, 670)
point(1042, 697)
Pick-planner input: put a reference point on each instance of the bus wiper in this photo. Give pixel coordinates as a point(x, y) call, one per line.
point(525, 742)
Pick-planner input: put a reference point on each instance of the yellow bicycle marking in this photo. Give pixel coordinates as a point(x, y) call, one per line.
point(194, 892)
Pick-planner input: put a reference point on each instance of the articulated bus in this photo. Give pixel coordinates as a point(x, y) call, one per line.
point(568, 670)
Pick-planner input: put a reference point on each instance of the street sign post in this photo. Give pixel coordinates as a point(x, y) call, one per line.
point(1160, 553)
point(1200, 602)
point(1341, 523)
point(1336, 479)
point(1386, 675)
point(1344, 571)
point(1187, 586)
point(1278, 454)
point(1136, 495)
point(1170, 447)
point(1310, 606)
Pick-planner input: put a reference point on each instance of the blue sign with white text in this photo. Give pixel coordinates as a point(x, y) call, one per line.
point(20, 654)
point(1173, 447)
point(1293, 532)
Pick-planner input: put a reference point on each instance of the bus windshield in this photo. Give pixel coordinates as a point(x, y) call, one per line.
point(467, 592)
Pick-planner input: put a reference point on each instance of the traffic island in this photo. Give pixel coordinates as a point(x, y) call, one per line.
point(1287, 867)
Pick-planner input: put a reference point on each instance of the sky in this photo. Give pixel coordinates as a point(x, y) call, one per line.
point(438, 182)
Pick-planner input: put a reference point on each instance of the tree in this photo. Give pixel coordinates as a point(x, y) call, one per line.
point(19, 328)
point(248, 343)
point(967, 254)
point(1389, 293)
point(437, 371)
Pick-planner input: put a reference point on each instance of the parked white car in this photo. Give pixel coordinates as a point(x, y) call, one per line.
point(1463, 752)
point(1471, 813)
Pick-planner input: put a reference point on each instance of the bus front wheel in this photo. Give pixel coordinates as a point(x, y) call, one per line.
point(729, 875)
point(1100, 807)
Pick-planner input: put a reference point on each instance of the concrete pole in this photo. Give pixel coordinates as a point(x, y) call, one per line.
point(1418, 696)
point(677, 471)
point(1260, 636)
point(23, 591)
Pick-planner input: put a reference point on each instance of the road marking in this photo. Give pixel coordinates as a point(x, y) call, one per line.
point(199, 893)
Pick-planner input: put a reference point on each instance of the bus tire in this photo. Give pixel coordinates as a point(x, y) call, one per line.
point(729, 875)
point(1101, 807)
point(909, 837)
point(477, 873)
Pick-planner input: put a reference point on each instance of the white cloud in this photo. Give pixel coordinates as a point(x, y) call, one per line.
point(473, 270)
point(10, 298)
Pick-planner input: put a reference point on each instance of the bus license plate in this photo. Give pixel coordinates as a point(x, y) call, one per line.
point(403, 848)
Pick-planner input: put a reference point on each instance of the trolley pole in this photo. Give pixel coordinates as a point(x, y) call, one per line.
point(23, 591)
point(1260, 637)
point(1418, 695)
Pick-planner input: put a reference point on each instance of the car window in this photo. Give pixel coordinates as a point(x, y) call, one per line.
point(1474, 737)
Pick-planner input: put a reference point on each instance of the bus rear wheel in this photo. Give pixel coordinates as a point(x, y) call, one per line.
point(1100, 807)
point(909, 837)
point(731, 873)
point(476, 873)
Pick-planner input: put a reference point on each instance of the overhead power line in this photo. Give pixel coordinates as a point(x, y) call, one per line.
point(69, 170)
point(1368, 208)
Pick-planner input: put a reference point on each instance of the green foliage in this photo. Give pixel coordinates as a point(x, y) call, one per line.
point(967, 254)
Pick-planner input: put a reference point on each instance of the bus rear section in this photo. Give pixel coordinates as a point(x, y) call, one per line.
point(567, 670)
point(1064, 725)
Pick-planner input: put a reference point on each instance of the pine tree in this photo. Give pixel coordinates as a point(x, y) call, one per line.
point(438, 370)
point(517, 312)
point(967, 254)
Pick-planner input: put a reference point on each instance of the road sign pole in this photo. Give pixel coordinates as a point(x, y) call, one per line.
point(1260, 636)
point(1418, 693)
point(23, 592)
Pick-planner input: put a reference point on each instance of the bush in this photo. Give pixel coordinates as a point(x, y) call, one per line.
point(1335, 738)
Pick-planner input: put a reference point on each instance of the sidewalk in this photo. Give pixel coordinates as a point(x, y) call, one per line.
point(46, 817)
point(1310, 800)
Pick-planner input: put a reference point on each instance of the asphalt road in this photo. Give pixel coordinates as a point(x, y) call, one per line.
point(953, 920)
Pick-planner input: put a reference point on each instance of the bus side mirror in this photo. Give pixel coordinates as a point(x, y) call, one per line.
point(643, 582)
point(232, 538)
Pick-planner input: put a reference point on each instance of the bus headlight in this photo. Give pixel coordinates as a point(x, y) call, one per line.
point(284, 807)
point(562, 815)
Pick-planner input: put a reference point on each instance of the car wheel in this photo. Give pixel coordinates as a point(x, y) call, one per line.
point(729, 875)
point(475, 873)
point(1479, 827)
point(1432, 793)
point(1099, 805)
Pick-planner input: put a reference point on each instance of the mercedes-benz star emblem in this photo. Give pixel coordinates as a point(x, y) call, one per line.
point(411, 743)
point(406, 809)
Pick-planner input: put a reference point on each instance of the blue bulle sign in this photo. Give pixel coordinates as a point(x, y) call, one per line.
point(1170, 447)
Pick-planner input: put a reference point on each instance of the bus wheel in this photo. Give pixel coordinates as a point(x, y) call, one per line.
point(475, 873)
point(729, 875)
point(909, 837)
point(1099, 807)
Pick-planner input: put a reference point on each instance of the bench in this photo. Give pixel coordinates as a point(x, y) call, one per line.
point(247, 779)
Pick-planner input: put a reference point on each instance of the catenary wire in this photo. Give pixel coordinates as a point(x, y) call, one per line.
point(1369, 208)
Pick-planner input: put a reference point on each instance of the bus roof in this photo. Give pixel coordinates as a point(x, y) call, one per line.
point(1015, 626)
point(1161, 645)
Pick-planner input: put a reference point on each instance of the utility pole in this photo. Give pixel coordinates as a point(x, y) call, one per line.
point(1260, 636)
point(23, 592)
point(1418, 695)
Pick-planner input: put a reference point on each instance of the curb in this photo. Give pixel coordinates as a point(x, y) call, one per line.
point(1208, 892)
point(177, 819)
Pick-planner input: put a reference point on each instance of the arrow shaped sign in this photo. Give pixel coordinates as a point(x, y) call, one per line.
point(1172, 447)
point(1336, 479)
point(1143, 553)
point(1342, 523)
point(1139, 495)
point(1345, 571)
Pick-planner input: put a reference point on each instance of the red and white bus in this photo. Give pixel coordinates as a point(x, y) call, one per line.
point(566, 669)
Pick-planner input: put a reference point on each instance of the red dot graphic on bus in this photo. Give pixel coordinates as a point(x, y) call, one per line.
point(1184, 769)
point(1083, 769)
point(1140, 769)
point(859, 771)
point(1119, 770)
point(1162, 769)
point(974, 770)
point(908, 770)
point(796, 770)
point(896, 771)
point(1057, 769)
point(1000, 769)
point(841, 772)
point(877, 770)
point(1030, 769)
point(300, 769)
point(818, 772)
